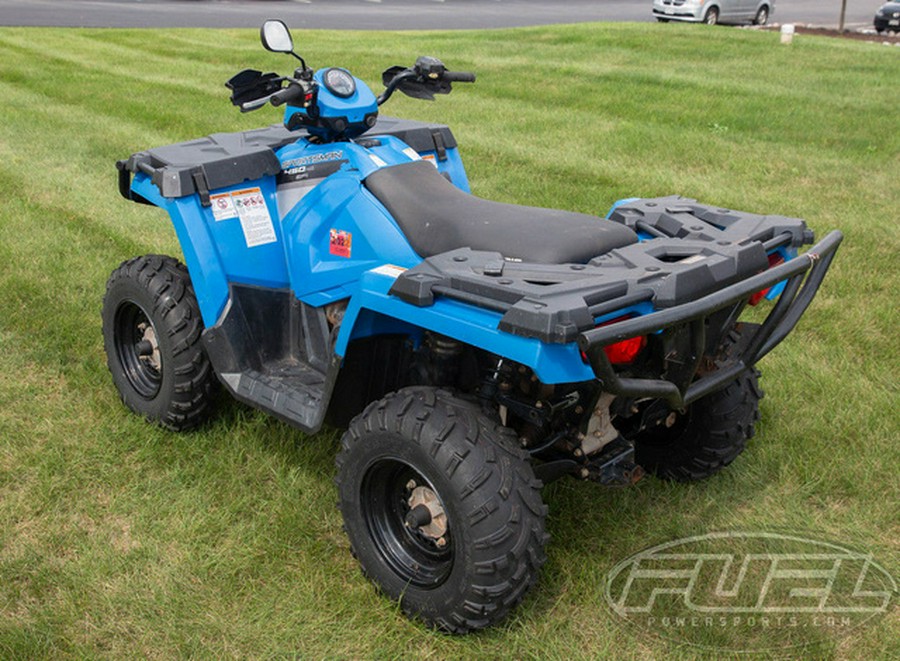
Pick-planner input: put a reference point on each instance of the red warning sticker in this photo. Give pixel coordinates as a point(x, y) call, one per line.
point(340, 243)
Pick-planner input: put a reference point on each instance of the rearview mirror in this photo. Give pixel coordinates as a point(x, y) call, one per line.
point(276, 37)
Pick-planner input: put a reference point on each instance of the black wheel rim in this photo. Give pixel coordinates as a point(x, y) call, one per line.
point(130, 331)
point(413, 556)
point(663, 435)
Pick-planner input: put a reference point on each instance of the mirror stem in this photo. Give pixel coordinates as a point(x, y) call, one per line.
point(302, 61)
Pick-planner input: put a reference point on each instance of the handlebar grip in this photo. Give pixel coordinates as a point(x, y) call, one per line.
point(459, 76)
point(288, 94)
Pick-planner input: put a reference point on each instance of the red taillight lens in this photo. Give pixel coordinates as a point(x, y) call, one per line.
point(774, 260)
point(758, 296)
point(624, 352)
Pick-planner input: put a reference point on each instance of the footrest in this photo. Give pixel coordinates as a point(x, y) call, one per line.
point(294, 394)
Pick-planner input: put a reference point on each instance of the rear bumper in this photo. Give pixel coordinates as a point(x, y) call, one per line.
point(803, 276)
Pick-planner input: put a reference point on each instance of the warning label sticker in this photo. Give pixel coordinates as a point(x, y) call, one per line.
point(412, 153)
point(222, 207)
point(256, 222)
point(340, 243)
point(389, 270)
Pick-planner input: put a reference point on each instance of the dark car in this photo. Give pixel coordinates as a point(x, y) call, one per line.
point(888, 17)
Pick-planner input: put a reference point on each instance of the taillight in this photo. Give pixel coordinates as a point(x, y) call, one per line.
point(624, 351)
point(774, 260)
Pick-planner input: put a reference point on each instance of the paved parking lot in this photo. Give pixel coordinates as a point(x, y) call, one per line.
point(380, 14)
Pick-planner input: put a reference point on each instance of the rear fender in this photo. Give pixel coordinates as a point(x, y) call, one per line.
point(372, 311)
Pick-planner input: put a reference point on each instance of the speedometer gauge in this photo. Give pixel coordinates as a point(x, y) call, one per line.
point(339, 82)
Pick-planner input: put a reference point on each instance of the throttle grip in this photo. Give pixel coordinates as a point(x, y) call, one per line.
point(459, 77)
point(288, 94)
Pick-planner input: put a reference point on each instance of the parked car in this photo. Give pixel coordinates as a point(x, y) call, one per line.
point(888, 17)
point(714, 11)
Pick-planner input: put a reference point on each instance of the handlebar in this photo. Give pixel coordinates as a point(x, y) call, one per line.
point(293, 92)
point(421, 82)
point(459, 77)
point(288, 94)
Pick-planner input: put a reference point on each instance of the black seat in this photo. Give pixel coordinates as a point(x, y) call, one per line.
point(437, 217)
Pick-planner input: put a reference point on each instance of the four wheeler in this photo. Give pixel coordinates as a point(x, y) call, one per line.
point(338, 268)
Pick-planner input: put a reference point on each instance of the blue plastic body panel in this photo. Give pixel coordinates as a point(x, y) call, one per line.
point(372, 311)
point(340, 204)
point(215, 252)
point(298, 255)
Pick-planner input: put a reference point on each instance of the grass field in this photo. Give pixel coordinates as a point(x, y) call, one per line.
point(118, 539)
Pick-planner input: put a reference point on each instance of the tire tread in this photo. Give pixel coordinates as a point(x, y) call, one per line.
point(506, 506)
point(168, 285)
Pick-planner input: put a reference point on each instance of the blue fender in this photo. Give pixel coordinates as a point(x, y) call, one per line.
point(216, 253)
point(372, 310)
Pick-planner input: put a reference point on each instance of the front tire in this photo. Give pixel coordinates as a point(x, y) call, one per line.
point(712, 16)
point(762, 16)
point(151, 333)
point(442, 508)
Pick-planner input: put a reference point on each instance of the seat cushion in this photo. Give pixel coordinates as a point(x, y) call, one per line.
point(437, 217)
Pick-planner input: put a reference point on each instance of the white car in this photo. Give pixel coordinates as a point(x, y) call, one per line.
point(714, 11)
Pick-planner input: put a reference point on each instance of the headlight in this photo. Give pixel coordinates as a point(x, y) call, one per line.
point(339, 82)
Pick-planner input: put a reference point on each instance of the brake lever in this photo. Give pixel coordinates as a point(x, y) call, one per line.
point(255, 104)
point(280, 95)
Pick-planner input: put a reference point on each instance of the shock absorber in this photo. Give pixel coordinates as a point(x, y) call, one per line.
point(445, 355)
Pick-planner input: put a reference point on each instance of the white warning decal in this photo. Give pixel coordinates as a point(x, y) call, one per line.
point(250, 206)
point(222, 207)
point(390, 270)
point(412, 153)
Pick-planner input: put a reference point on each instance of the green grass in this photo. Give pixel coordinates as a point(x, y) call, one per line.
point(118, 539)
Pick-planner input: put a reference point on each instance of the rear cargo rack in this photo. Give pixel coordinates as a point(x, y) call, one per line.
point(790, 306)
point(695, 262)
point(696, 250)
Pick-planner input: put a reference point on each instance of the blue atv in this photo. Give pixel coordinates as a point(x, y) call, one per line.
point(338, 269)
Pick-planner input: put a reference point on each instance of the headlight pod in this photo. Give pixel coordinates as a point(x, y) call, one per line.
point(339, 82)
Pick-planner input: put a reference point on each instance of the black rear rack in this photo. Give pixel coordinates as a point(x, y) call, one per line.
point(803, 276)
point(694, 250)
point(689, 280)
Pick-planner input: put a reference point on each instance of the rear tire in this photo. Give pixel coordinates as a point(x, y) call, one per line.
point(151, 333)
point(712, 16)
point(482, 544)
point(708, 436)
